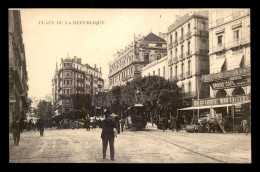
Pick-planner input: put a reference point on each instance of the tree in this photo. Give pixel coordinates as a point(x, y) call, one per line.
point(44, 111)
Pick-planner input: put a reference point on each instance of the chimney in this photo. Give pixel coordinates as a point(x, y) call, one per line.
point(95, 66)
point(75, 59)
point(100, 69)
point(79, 60)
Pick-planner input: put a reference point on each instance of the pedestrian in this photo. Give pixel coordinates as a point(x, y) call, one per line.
point(244, 125)
point(178, 123)
point(117, 125)
point(16, 129)
point(173, 123)
point(41, 126)
point(94, 124)
point(122, 124)
point(109, 131)
point(164, 123)
point(88, 124)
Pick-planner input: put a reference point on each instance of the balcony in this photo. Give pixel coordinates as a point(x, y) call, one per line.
point(181, 76)
point(68, 76)
point(170, 45)
point(181, 39)
point(188, 74)
point(239, 42)
point(188, 35)
point(175, 59)
point(170, 62)
point(180, 56)
point(188, 54)
point(175, 42)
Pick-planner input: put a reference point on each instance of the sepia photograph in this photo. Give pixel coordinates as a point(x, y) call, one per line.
point(96, 85)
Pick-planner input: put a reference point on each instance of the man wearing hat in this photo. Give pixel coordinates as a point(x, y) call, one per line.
point(108, 134)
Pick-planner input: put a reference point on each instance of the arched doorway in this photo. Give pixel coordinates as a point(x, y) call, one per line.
point(238, 91)
point(221, 93)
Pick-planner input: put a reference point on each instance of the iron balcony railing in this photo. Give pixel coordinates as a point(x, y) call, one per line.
point(181, 38)
point(180, 56)
point(188, 73)
point(175, 42)
point(170, 45)
point(188, 35)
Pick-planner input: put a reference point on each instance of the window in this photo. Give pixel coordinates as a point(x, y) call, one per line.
point(170, 38)
point(182, 51)
point(163, 70)
point(63, 91)
point(189, 27)
point(182, 88)
point(68, 82)
point(158, 56)
point(188, 48)
point(171, 72)
point(182, 69)
point(220, 40)
point(68, 91)
point(158, 72)
point(64, 82)
point(236, 34)
point(176, 36)
point(189, 87)
point(176, 51)
point(181, 32)
point(189, 67)
point(176, 70)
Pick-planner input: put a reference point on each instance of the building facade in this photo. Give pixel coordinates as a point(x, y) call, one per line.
point(156, 68)
point(229, 53)
point(71, 79)
point(188, 54)
point(18, 88)
point(128, 63)
point(230, 69)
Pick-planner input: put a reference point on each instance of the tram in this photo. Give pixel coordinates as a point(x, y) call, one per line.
point(136, 118)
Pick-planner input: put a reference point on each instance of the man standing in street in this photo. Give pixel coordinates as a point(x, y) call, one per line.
point(122, 124)
point(16, 128)
point(41, 126)
point(109, 127)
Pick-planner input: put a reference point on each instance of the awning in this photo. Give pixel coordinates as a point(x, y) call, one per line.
point(235, 61)
point(213, 106)
point(218, 63)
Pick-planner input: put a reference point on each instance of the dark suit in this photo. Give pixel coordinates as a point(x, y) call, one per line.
point(16, 127)
point(107, 135)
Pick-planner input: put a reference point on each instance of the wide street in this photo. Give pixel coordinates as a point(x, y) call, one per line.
point(150, 146)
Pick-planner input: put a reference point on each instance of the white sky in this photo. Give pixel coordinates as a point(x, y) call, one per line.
point(95, 44)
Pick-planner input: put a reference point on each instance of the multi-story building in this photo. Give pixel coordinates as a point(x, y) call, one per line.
point(229, 51)
point(230, 69)
point(156, 68)
point(128, 63)
point(74, 78)
point(18, 88)
point(188, 54)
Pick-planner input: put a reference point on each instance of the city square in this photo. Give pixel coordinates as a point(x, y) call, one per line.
point(178, 81)
point(149, 146)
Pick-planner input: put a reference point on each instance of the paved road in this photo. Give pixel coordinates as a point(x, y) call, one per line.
point(150, 146)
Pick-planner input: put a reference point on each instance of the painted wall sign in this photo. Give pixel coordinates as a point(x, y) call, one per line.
point(232, 83)
point(219, 101)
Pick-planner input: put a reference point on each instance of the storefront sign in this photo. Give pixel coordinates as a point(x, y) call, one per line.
point(227, 74)
point(232, 83)
point(224, 100)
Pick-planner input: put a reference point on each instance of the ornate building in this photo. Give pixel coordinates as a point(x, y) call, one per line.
point(128, 63)
point(18, 88)
point(188, 54)
point(74, 78)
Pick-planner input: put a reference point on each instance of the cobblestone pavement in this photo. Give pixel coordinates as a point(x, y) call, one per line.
point(150, 146)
